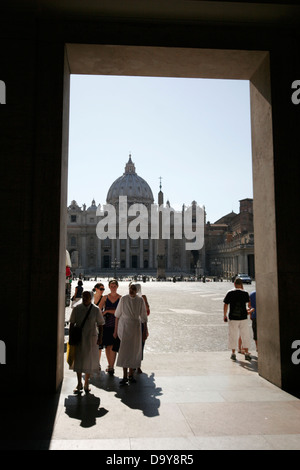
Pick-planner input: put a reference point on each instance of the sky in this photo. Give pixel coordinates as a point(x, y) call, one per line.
point(194, 134)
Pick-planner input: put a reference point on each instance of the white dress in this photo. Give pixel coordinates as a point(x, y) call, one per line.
point(131, 312)
point(87, 352)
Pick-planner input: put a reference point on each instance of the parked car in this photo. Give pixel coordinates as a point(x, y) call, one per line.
point(245, 278)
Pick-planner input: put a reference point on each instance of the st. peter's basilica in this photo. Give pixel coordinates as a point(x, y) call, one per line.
point(227, 250)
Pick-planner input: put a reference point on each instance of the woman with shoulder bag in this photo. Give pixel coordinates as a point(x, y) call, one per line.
point(86, 356)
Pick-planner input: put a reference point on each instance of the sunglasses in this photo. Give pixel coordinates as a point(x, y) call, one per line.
point(101, 288)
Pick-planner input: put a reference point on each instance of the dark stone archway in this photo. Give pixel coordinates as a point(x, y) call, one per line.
point(42, 43)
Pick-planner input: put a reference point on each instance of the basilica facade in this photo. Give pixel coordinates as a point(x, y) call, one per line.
point(95, 254)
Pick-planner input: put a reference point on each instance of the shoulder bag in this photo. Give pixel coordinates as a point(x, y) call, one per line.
point(75, 333)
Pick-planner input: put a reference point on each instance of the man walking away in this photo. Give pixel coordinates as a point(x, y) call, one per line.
point(237, 299)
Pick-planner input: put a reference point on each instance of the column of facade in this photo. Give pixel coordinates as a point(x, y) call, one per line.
point(183, 255)
point(113, 252)
point(236, 264)
point(150, 253)
point(99, 260)
point(169, 251)
point(155, 253)
point(83, 250)
point(127, 253)
point(203, 259)
point(227, 267)
point(118, 250)
point(242, 264)
point(141, 253)
point(233, 267)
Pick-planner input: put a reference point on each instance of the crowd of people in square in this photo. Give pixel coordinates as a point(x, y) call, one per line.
point(118, 324)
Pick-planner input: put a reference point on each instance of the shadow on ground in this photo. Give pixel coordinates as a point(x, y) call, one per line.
point(85, 408)
point(250, 366)
point(142, 395)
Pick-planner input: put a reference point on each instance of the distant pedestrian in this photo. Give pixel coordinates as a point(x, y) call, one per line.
point(139, 293)
point(78, 293)
point(237, 299)
point(87, 351)
point(130, 314)
point(252, 306)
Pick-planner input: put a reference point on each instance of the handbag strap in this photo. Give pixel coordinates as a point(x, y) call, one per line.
point(87, 314)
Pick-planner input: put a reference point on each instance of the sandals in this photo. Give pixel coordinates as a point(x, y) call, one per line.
point(123, 381)
point(78, 389)
point(110, 370)
point(131, 379)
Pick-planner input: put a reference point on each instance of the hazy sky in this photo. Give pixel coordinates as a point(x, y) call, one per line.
point(193, 133)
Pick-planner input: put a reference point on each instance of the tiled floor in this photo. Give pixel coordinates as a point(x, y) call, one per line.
point(184, 401)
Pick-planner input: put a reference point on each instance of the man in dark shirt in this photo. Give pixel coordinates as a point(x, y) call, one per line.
point(237, 299)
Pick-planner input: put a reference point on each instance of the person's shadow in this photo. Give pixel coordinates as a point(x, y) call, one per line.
point(141, 395)
point(85, 408)
point(250, 366)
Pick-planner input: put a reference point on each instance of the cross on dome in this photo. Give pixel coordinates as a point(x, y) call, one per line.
point(130, 167)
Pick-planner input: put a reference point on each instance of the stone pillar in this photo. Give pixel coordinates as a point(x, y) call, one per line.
point(141, 253)
point(34, 146)
point(150, 253)
point(161, 255)
point(83, 250)
point(99, 262)
point(155, 253)
point(127, 253)
point(169, 251)
point(118, 250)
point(275, 125)
point(183, 255)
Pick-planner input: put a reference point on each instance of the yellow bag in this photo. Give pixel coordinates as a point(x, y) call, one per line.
point(71, 355)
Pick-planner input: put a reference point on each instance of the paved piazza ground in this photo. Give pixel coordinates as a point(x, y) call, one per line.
point(185, 316)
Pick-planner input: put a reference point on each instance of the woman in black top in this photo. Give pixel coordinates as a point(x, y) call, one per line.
point(98, 294)
point(108, 305)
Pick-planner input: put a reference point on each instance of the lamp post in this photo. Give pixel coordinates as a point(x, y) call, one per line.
point(115, 264)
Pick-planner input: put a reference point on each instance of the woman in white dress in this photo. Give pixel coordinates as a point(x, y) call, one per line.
point(130, 314)
point(87, 352)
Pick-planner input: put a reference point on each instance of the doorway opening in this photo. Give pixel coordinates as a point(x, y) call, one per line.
point(211, 64)
point(189, 136)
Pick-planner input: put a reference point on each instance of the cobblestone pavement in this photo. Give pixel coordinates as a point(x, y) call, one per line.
point(185, 316)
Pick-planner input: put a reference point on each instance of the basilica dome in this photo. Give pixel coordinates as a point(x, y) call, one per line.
point(131, 185)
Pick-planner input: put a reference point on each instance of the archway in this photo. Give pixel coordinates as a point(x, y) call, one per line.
point(206, 63)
